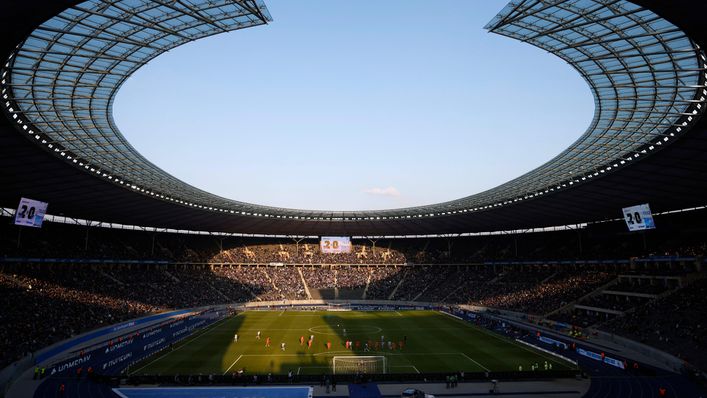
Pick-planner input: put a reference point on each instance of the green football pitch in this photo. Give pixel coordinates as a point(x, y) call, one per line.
point(432, 342)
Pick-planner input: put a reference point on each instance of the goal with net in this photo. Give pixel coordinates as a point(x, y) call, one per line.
point(351, 364)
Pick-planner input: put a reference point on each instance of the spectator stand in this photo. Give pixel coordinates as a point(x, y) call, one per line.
point(72, 347)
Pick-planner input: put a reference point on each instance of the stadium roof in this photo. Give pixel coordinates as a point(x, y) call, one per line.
point(64, 64)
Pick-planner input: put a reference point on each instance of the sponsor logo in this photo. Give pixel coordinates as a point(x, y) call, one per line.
point(180, 332)
point(151, 333)
point(123, 326)
point(614, 362)
point(189, 328)
point(553, 342)
point(117, 360)
point(589, 354)
point(197, 325)
point(153, 344)
point(118, 346)
point(71, 364)
point(175, 324)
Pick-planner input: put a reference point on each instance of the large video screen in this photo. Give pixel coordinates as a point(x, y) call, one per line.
point(335, 244)
point(638, 217)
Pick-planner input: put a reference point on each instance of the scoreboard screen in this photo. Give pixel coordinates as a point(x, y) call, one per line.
point(335, 244)
point(30, 213)
point(638, 217)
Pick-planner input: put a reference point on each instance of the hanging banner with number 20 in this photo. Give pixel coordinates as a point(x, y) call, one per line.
point(638, 217)
point(30, 213)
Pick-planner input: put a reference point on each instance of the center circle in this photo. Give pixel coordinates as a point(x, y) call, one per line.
point(323, 329)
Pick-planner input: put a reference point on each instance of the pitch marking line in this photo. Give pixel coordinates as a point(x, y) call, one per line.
point(185, 342)
point(234, 362)
point(538, 353)
point(472, 360)
point(312, 367)
point(299, 369)
point(331, 352)
point(514, 343)
point(406, 366)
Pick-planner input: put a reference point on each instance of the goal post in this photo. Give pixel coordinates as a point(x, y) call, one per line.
point(352, 364)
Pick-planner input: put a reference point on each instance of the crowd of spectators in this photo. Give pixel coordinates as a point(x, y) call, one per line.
point(353, 277)
point(417, 280)
point(644, 288)
point(351, 282)
point(542, 296)
point(306, 253)
point(252, 279)
point(37, 312)
point(45, 303)
point(383, 282)
point(582, 318)
point(288, 283)
point(467, 284)
point(615, 302)
point(618, 298)
point(676, 323)
point(318, 278)
point(447, 281)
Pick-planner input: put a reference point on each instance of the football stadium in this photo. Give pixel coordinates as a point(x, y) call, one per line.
point(583, 277)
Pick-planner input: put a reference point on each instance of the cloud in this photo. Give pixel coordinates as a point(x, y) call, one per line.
point(390, 191)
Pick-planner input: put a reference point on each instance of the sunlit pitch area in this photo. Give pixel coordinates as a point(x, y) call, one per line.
point(432, 342)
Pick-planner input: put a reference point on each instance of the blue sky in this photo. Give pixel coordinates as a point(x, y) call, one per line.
point(352, 105)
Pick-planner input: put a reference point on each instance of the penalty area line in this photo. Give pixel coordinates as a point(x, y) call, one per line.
point(509, 341)
point(516, 344)
point(472, 360)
